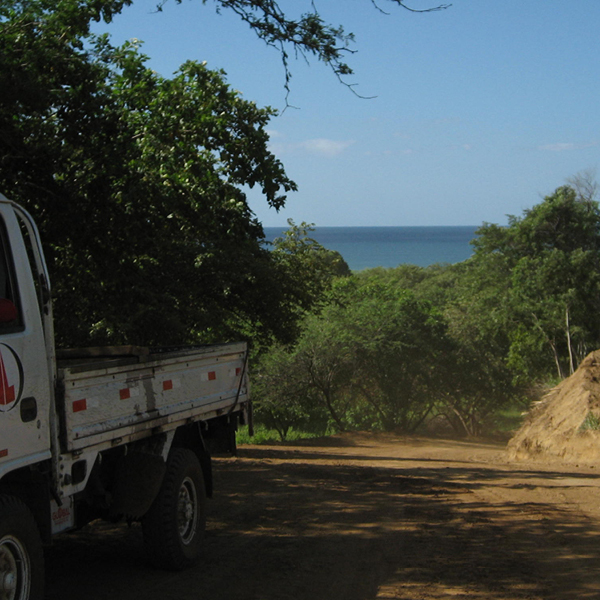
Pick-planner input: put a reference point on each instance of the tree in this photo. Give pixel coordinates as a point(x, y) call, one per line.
point(479, 382)
point(545, 269)
point(585, 185)
point(471, 381)
point(308, 269)
point(372, 356)
point(280, 393)
point(135, 181)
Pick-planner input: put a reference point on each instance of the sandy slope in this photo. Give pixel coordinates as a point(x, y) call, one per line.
point(565, 423)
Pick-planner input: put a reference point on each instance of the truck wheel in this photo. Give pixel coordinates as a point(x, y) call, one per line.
point(174, 526)
point(21, 553)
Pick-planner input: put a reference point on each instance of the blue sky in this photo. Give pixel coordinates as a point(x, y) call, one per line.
point(479, 110)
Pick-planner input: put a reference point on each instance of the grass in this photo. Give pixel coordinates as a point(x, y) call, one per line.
point(506, 422)
point(263, 435)
point(591, 423)
point(509, 419)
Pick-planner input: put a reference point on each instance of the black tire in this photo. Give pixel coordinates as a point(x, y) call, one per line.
point(21, 552)
point(174, 526)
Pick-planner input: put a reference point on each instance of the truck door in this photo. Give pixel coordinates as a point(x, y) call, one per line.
point(25, 378)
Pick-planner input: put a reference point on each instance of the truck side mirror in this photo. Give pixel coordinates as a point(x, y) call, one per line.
point(8, 311)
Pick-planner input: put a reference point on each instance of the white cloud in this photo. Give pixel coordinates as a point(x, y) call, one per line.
point(320, 146)
point(558, 147)
point(325, 147)
point(565, 146)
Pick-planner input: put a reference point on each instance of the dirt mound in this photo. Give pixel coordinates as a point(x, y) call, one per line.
point(565, 424)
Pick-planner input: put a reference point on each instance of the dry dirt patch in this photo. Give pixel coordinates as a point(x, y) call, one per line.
point(357, 517)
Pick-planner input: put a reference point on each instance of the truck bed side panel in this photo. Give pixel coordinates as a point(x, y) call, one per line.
point(118, 400)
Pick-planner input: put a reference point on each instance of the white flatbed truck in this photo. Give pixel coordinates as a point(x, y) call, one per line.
point(114, 433)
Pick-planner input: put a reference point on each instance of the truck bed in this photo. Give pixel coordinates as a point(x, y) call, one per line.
point(109, 394)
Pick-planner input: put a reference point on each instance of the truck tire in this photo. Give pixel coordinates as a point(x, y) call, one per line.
point(21, 552)
point(174, 526)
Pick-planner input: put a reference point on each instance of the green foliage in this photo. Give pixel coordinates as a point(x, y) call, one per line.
point(264, 435)
point(538, 279)
point(392, 348)
point(135, 181)
point(280, 394)
point(307, 268)
point(372, 356)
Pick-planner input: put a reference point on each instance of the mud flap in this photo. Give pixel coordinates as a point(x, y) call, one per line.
point(138, 477)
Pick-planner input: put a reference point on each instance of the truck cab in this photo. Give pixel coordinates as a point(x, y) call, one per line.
point(26, 374)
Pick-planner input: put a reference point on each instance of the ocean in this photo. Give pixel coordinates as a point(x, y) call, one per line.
point(369, 247)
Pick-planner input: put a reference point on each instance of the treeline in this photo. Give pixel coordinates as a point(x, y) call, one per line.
point(398, 348)
point(136, 181)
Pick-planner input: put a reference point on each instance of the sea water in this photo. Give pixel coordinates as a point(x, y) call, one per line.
point(368, 247)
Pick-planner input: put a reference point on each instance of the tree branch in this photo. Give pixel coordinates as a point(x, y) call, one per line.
point(306, 36)
point(410, 9)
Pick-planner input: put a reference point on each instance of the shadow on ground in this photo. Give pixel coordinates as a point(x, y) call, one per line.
point(299, 529)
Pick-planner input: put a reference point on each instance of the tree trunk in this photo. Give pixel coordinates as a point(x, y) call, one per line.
point(552, 345)
point(332, 411)
point(570, 347)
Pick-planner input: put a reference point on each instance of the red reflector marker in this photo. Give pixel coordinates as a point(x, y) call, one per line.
point(79, 405)
point(238, 371)
point(125, 394)
point(212, 375)
point(167, 385)
point(4, 453)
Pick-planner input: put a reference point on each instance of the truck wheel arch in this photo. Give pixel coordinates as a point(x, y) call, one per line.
point(190, 437)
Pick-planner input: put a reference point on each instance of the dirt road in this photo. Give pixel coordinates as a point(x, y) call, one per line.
point(359, 517)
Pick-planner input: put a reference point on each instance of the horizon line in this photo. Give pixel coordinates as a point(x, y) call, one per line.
point(365, 226)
